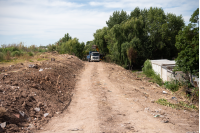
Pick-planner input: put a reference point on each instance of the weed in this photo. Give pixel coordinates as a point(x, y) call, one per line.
point(16, 53)
point(41, 50)
point(156, 79)
point(180, 105)
point(30, 53)
point(30, 61)
point(1, 56)
point(172, 85)
point(41, 59)
point(7, 57)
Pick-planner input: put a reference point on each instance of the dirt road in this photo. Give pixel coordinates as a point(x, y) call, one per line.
point(108, 98)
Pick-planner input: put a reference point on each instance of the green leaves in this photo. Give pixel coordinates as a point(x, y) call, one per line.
point(149, 33)
point(117, 18)
point(195, 16)
point(187, 42)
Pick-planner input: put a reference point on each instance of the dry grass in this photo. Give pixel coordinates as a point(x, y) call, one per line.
point(24, 59)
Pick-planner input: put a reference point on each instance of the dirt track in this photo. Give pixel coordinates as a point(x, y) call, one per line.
point(108, 98)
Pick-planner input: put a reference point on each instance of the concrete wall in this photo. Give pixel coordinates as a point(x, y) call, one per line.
point(164, 69)
point(156, 68)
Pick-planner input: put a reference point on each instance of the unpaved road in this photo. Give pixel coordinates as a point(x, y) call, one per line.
point(109, 99)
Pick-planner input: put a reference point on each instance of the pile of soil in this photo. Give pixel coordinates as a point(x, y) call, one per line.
point(30, 94)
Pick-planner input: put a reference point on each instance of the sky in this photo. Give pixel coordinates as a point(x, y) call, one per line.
point(43, 22)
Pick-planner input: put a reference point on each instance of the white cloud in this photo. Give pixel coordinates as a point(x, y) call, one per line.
point(50, 23)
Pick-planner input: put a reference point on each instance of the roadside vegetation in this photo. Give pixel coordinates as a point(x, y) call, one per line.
point(68, 45)
point(149, 72)
point(14, 52)
point(180, 105)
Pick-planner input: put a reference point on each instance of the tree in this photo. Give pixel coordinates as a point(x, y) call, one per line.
point(116, 18)
point(100, 41)
point(187, 42)
point(135, 13)
point(195, 16)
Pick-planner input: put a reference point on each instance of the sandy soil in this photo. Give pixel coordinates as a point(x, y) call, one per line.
point(108, 98)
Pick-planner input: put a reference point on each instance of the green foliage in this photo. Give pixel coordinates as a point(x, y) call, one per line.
point(30, 53)
point(156, 79)
point(16, 53)
point(72, 47)
point(100, 40)
point(117, 18)
point(51, 47)
point(195, 16)
point(88, 47)
point(41, 50)
point(187, 42)
point(1, 56)
point(148, 71)
point(16, 50)
point(144, 34)
point(172, 85)
point(180, 105)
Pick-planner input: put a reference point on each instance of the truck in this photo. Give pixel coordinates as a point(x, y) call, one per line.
point(93, 56)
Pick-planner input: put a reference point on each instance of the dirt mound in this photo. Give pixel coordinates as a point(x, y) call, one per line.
point(30, 94)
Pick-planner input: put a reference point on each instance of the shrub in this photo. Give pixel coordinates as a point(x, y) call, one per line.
point(16, 53)
point(7, 57)
point(172, 85)
point(51, 47)
point(157, 79)
point(147, 69)
point(1, 56)
point(149, 72)
point(41, 50)
point(30, 53)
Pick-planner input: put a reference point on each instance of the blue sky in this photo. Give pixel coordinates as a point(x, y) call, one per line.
point(43, 22)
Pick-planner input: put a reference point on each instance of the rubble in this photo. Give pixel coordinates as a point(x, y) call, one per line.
point(28, 94)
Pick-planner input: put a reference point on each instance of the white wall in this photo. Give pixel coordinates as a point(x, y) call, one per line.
point(156, 68)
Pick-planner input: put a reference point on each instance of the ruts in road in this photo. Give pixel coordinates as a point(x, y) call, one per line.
point(108, 99)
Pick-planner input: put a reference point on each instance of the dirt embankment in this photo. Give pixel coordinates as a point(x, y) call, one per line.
point(30, 93)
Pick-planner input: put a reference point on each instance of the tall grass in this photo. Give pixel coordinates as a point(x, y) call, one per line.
point(172, 85)
point(7, 52)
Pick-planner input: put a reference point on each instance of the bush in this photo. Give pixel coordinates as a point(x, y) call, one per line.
point(172, 85)
point(41, 50)
point(1, 56)
point(51, 47)
point(7, 57)
point(149, 72)
point(16, 53)
point(147, 69)
point(157, 79)
point(30, 53)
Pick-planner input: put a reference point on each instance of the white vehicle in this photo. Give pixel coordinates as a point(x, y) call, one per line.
point(94, 56)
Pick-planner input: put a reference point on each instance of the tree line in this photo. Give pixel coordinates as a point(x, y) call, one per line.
point(68, 45)
point(130, 39)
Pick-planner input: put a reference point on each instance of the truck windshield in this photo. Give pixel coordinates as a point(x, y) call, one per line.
point(95, 54)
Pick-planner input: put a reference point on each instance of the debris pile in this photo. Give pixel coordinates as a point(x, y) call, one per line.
point(32, 95)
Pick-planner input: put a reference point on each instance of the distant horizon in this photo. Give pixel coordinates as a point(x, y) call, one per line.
point(45, 22)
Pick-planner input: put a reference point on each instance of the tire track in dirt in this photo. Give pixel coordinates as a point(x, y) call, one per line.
point(81, 115)
point(118, 114)
point(101, 105)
